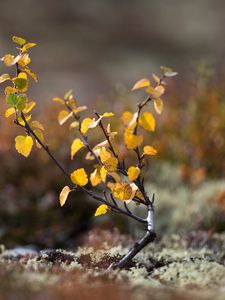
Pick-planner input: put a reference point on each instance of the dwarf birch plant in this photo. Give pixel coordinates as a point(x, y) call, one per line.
point(112, 182)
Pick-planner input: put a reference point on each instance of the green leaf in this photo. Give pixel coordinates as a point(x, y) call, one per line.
point(12, 99)
point(165, 69)
point(68, 94)
point(18, 40)
point(21, 105)
point(20, 83)
point(22, 102)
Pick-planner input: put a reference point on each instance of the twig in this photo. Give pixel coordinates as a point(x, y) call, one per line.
point(45, 147)
point(113, 206)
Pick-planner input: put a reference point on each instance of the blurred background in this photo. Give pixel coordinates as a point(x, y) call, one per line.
point(100, 48)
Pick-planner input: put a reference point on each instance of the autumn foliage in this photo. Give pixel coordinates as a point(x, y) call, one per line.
point(113, 181)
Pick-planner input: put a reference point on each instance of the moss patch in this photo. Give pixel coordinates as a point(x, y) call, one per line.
point(166, 269)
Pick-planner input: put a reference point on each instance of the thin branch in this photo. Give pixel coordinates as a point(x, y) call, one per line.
point(126, 207)
point(83, 137)
point(123, 164)
point(18, 123)
point(106, 136)
point(139, 200)
point(32, 133)
point(153, 199)
point(141, 187)
point(113, 206)
point(87, 145)
point(113, 199)
point(140, 106)
point(45, 147)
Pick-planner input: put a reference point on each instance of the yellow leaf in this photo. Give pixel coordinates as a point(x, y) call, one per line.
point(29, 107)
point(158, 91)
point(95, 178)
point(111, 164)
point(77, 144)
point(131, 140)
point(74, 124)
point(10, 90)
point(115, 176)
point(94, 123)
point(85, 125)
point(63, 195)
point(18, 40)
point(158, 105)
point(24, 60)
point(108, 114)
point(141, 84)
point(103, 174)
point(79, 109)
point(133, 173)
point(28, 46)
point(21, 121)
point(22, 75)
point(111, 134)
point(97, 148)
point(109, 161)
point(149, 150)
point(40, 135)
point(72, 102)
point(10, 111)
point(150, 90)
point(31, 73)
point(101, 210)
point(122, 191)
point(37, 124)
point(126, 118)
point(63, 116)
point(9, 60)
point(104, 155)
point(133, 121)
point(57, 99)
point(79, 177)
point(147, 121)
point(134, 190)
point(24, 144)
point(139, 194)
point(4, 77)
point(89, 156)
point(156, 78)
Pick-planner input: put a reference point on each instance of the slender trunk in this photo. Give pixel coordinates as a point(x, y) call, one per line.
point(149, 237)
